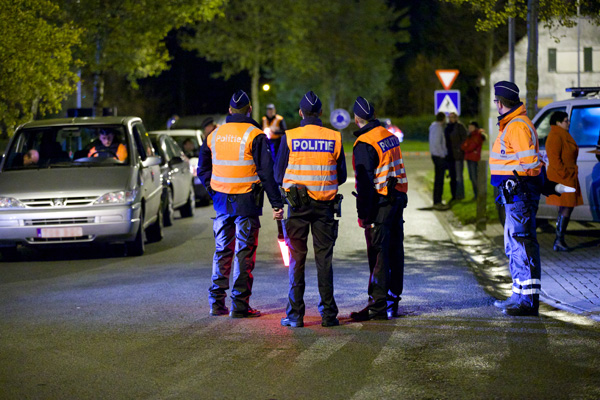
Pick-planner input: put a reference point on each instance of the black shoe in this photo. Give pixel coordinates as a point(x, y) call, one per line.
point(560, 245)
point(329, 322)
point(249, 313)
point(217, 311)
point(392, 311)
point(366, 315)
point(285, 321)
point(520, 310)
point(506, 303)
point(561, 229)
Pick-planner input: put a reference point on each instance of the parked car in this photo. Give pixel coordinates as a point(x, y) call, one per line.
point(584, 114)
point(177, 179)
point(76, 191)
point(195, 135)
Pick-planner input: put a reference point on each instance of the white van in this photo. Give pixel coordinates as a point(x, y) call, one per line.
point(584, 114)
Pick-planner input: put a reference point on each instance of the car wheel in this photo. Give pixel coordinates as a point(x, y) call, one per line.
point(155, 231)
point(168, 210)
point(187, 210)
point(9, 253)
point(137, 246)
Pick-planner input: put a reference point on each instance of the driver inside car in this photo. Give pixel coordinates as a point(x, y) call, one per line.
point(108, 146)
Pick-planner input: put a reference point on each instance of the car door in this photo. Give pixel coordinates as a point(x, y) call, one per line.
point(585, 128)
point(151, 182)
point(542, 127)
point(585, 125)
point(180, 172)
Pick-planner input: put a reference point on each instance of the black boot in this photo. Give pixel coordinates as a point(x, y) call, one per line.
point(561, 228)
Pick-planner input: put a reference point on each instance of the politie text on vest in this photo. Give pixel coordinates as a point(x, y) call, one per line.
point(318, 145)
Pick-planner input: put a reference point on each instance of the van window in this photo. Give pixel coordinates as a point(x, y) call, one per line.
point(145, 138)
point(585, 125)
point(543, 124)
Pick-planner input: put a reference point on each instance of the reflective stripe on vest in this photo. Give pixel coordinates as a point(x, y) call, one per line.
point(314, 151)
point(512, 161)
point(391, 164)
point(234, 170)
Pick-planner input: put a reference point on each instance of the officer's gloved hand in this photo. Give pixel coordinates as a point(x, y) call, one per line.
point(560, 188)
point(278, 213)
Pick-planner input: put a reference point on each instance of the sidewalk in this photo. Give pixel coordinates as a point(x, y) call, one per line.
point(570, 280)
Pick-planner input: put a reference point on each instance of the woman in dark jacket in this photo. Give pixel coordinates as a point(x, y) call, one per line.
point(562, 168)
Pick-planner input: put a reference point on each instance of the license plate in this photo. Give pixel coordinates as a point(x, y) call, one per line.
point(59, 232)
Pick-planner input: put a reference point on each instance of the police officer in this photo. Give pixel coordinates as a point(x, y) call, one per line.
point(310, 166)
point(381, 187)
point(516, 149)
point(236, 165)
point(207, 126)
point(274, 127)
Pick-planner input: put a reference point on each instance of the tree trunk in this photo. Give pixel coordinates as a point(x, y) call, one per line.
point(532, 57)
point(484, 97)
point(98, 82)
point(98, 93)
point(332, 98)
point(255, 75)
point(35, 105)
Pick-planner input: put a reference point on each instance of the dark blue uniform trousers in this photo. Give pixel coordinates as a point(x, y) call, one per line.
point(236, 239)
point(523, 251)
point(317, 217)
point(385, 250)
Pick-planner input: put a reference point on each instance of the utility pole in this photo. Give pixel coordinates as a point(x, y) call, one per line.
point(511, 45)
point(578, 47)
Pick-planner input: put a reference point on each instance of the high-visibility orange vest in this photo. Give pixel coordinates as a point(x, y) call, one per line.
point(314, 151)
point(391, 165)
point(516, 147)
point(121, 152)
point(233, 168)
point(274, 126)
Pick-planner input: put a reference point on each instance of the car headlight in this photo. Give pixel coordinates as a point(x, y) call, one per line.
point(120, 197)
point(10, 202)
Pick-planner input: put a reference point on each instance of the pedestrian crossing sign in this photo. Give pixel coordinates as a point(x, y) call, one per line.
point(447, 101)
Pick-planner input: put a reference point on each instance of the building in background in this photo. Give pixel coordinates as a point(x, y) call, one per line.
point(557, 64)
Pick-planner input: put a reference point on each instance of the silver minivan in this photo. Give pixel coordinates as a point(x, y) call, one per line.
point(63, 182)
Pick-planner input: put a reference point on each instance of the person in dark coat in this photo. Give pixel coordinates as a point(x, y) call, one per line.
point(455, 133)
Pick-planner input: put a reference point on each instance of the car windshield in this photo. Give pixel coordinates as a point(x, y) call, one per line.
point(68, 147)
point(181, 139)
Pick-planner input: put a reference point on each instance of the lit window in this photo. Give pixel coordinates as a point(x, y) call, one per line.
point(551, 60)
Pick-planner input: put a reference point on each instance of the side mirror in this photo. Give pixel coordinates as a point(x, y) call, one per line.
point(152, 160)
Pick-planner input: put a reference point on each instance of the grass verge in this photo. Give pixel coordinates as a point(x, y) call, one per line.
point(466, 210)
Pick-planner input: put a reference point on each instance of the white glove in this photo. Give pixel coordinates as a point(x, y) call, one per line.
point(560, 188)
